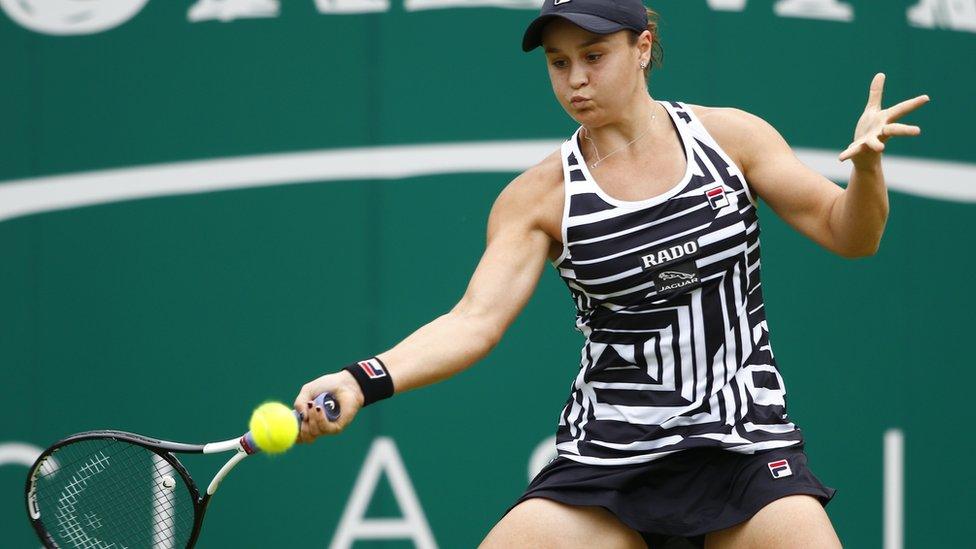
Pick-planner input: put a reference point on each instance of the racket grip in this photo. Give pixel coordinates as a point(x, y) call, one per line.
point(329, 405)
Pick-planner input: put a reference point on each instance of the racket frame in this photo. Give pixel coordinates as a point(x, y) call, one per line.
point(242, 447)
point(162, 448)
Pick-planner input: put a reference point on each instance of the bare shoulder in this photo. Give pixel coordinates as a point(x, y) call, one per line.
point(535, 186)
point(727, 119)
point(533, 200)
point(538, 180)
point(740, 133)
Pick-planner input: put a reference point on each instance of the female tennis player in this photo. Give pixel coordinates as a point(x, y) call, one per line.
point(676, 424)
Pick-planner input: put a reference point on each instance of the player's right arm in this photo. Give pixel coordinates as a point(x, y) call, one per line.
point(506, 276)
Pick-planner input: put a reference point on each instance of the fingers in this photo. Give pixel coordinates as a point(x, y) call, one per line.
point(320, 425)
point(849, 152)
point(871, 143)
point(875, 144)
point(305, 429)
point(315, 423)
point(900, 130)
point(905, 107)
point(303, 397)
point(313, 417)
point(858, 147)
point(877, 91)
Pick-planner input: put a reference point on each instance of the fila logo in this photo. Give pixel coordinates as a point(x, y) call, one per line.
point(557, 2)
point(716, 197)
point(372, 368)
point(779, 469)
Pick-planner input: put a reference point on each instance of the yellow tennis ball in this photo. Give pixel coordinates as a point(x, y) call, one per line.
point(274, 427)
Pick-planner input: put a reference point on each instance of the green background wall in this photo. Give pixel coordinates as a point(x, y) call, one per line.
point(173, 316)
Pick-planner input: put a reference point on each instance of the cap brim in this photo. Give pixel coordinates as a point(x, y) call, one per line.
point(532, 38)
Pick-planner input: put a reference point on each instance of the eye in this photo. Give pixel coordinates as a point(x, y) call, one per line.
point(559, 63)
point(594, 56)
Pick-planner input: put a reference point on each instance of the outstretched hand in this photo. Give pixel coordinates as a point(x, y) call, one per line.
point(876, 126)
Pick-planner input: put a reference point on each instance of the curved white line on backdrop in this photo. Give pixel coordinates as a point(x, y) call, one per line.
point(19, 453)
point(954, 181)
point(543, 453)
point(67, 17)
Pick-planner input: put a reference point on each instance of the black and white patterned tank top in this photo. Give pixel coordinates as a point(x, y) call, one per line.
point(668, 296)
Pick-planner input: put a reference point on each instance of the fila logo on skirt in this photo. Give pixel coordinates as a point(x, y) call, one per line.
point(716, 197)
point(372, 368)
point(779, 469)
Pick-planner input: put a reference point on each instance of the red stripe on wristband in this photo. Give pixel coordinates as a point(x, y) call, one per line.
point(373, 379)
point(372, 368)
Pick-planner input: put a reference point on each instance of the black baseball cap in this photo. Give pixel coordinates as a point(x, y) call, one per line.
point(598, 16)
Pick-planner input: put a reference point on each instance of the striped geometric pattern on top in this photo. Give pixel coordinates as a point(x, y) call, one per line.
point(669, 299)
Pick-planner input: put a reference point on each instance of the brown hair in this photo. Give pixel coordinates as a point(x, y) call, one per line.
point(657, 51)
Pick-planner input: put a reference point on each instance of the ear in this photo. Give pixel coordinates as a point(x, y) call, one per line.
point(644, 42)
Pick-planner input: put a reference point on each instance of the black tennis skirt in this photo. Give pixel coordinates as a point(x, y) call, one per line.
point(682, 496)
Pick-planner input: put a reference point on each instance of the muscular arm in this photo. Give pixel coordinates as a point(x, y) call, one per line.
point(848, 222)
point(500, 287)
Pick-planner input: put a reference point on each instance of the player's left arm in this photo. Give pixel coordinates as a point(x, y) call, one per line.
point(847, 221)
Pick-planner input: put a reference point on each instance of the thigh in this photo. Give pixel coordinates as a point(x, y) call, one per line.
point(544, 523)
point(797, 521)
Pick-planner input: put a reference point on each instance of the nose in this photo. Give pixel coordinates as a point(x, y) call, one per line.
point(578, 76)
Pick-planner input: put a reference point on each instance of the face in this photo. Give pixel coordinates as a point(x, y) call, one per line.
point(602, 68)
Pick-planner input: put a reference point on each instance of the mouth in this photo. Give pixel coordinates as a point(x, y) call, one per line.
point(577, 101)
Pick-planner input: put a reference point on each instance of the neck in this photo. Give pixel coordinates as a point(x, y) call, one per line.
point(636, 119)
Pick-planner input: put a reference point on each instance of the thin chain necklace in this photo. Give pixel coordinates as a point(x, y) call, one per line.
point(602, 158)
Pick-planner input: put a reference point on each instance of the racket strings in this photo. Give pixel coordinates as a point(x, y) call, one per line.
point(120, 509)
point(111, 494)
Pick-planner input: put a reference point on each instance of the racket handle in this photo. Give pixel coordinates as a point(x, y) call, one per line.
point(329, 405)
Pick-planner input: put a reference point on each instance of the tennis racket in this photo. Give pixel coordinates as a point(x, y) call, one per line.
point(117, 490)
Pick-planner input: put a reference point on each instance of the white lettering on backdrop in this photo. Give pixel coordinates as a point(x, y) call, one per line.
point(833, 10)
point(958, 15)
point(354, 526)
point(228, 10)
point(66, 17)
